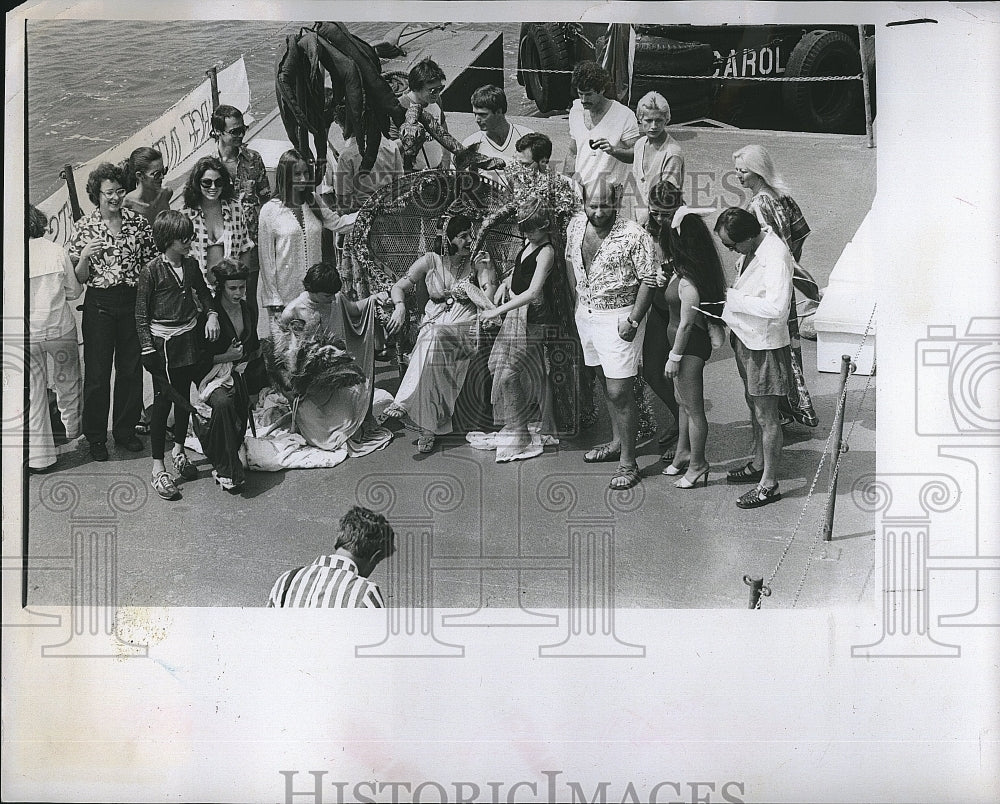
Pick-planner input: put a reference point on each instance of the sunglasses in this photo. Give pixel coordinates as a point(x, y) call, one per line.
point(730, 246)
point(239, 131)
point(157, 174)
point(208, 184)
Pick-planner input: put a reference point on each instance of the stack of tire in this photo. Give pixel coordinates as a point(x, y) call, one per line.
point(656, 54)
point(554, 46)
point(835, 106)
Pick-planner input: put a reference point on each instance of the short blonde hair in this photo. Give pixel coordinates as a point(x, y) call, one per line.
point(653, 102)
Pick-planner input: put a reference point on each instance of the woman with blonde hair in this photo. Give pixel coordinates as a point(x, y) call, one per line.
point(773, 206)
point(657, 155)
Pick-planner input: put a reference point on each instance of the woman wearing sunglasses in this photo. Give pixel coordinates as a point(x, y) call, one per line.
point(220, 225)
point(144, 173)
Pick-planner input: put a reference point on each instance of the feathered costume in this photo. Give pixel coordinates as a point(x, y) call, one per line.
point(369, 103)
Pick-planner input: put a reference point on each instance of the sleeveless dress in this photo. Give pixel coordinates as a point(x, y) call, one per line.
point(521, 390)
point(439, 362)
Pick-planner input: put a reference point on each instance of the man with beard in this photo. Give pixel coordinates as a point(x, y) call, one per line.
point(610, 256)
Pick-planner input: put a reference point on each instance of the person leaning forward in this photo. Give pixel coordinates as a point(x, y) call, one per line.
point(756, 310)
point(610, 256)
point(340, 580)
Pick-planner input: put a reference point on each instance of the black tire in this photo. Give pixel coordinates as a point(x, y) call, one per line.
point(835, 107)
point(656, 55)
point(545, 46)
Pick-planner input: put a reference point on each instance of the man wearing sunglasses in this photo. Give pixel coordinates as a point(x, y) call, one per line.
point(756, 311)
point(246, 168)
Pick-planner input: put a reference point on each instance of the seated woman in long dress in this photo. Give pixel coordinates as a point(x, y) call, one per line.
point(336, 382)
point(446, 342)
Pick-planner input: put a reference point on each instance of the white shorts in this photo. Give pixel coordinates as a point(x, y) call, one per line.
point(604, 347)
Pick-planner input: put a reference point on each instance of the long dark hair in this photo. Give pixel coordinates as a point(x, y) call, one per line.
point(692, 250)
point(192, 189)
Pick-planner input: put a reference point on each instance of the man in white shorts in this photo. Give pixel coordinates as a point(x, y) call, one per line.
point(610, 256)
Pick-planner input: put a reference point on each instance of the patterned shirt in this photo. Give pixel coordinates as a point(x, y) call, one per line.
point(329, 582)
point(623, 260)
point(251, 185)
point(121, 256)
point(235, 241)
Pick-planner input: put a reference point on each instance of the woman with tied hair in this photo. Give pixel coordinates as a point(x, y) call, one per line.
point(234, 377)
point(773, 206)
point(144, 172)
point(291, 237)
point(657, 156)
point(52, 284)
point(220, 225)
point(108, 248)
point(521, 390)
point(602, 135)
point(446, 344)
point(691, 276)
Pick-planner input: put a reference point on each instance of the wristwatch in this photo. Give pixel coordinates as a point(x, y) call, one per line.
point(632, 323)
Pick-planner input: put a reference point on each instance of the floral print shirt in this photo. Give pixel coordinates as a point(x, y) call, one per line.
point(121, 256)
point(624, 259)
point(235, 241)
point(252, 187)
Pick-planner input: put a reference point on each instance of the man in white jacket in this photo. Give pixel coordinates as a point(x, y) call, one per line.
point(756, 310)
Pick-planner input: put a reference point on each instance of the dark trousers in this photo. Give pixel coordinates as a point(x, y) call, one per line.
point(226, 430)
point(181, 380)
point(110, 339)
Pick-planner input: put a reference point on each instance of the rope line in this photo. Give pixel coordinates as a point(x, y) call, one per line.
point(778, 78)
point(836, 473)
point(841, 410)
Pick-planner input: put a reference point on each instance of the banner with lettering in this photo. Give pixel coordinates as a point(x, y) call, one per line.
point(179, 134)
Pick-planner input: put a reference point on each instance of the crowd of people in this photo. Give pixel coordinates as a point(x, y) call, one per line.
point(210, 299)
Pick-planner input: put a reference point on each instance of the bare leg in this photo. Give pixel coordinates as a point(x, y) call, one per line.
point(624, 416)
point(766, 414)
point(690, 395)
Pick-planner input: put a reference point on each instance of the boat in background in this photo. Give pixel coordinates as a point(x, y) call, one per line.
point(182, 133)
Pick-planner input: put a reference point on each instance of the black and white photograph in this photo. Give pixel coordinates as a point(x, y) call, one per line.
point(533, 359)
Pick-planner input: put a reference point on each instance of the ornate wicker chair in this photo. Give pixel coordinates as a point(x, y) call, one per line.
point(405, 219)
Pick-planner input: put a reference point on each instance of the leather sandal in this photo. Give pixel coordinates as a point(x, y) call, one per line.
point(603, 454)
point(745, 474)
point(624, 478)
point(758, 496)
point(425, 443)
point(164, 486)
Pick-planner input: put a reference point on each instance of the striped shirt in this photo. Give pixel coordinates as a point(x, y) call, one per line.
point(329, 582)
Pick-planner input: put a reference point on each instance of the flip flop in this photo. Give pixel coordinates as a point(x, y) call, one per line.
point(631, 476)
point(603, 454)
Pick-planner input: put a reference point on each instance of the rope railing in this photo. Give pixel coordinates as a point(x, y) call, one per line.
point(777, 78)
point(759, 587)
